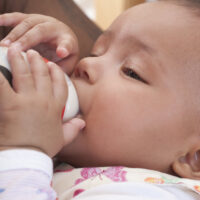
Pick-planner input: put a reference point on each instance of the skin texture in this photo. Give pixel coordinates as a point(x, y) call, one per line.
point(38, 85)
point(140, 122)
point(52, 38)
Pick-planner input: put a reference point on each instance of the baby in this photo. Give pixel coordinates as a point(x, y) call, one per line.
point(139, 98)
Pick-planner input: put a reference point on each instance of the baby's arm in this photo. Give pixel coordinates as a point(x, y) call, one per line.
point(30, 121)
point(32, 109)
point(52, 38)
point(25, 174)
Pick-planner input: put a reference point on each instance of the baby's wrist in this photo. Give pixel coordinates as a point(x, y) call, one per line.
point(2, 148)
point(22, 158)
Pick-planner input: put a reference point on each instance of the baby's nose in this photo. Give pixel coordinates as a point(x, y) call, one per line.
point(80, 72)
point(88, 71)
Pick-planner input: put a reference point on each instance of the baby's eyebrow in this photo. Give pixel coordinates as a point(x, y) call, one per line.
point(147, 50)
point(136, 41)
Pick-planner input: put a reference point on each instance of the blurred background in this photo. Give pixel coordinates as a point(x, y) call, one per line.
point(103, 12)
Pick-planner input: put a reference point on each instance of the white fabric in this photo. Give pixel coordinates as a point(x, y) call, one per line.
point(136, 191)
point(26, 159)
point(30, 165)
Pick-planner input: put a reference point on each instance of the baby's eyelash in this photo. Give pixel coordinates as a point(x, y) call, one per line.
point(131, 73)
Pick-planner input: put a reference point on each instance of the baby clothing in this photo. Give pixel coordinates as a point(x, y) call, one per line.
point(118, 182)
point(27, 175)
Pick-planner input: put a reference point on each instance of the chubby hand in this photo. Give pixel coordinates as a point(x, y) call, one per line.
point(30, 113)
point(52, 38)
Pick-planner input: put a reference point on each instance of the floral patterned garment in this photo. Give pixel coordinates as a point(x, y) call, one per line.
point(27, 175)
point(87, 178)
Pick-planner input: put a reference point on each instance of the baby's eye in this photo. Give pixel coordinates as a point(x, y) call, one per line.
point(131, 73)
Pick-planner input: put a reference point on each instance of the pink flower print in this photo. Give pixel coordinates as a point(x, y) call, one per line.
point(79, 180)
point(87, 173)
point(90, 172)
point(116, 174)
point(77, 192)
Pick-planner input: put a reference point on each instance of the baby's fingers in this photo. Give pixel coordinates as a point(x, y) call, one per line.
point(64, 48)
point(60, 89)
point(32, 35)
point(71, 129)
point(6, 92)
point(19, 33)
point(69, 52)
point(40, 73)
point(22, 77)
point(11, 19)
point(66, 45)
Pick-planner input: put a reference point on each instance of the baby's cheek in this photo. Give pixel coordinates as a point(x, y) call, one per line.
point(107, 114)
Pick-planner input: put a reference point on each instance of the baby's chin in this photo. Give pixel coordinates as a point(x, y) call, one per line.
point(63, 157)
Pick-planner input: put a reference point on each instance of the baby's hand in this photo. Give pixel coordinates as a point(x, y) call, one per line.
point(52, 38)
point(30, 113)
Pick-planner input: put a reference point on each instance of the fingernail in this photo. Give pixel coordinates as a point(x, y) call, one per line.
point(31, 51)
point(6, 42)
point(50, 63)
point(78, 122)
point(63, 52)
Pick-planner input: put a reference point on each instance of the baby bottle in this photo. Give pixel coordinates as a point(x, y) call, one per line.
point(72, 104)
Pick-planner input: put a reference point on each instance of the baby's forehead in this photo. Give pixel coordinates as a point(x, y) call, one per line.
point(175, 32)
point(171, 31)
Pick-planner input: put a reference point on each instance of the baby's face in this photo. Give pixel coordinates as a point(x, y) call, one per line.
point(137, 91)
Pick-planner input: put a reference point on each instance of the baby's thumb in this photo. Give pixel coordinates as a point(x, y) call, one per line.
point(71, 129)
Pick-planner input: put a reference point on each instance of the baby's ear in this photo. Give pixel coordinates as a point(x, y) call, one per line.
point(188, 166)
